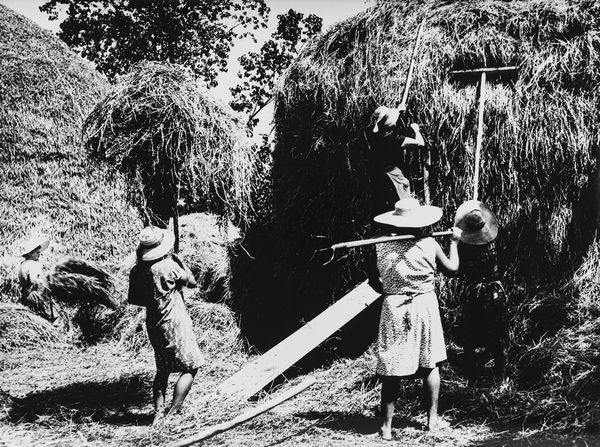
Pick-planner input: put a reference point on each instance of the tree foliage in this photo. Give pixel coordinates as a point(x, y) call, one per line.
point(199, 34)
point(260, 70)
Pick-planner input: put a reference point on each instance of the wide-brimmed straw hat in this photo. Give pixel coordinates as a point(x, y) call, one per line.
point(477, 222)
point(32, 244)
point(384, 118)
point(408, 213)
point(154, 243)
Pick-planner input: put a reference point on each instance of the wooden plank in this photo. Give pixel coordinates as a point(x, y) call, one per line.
point(250, 414)
point(264, 369)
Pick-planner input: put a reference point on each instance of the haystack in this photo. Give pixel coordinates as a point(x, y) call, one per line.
point(538, 169)
point(183, 151)
point(47, 184)
point(20, 328)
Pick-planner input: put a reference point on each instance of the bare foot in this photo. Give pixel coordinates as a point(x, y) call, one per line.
point(437, 423)
point(385, 433)
point(159, 417)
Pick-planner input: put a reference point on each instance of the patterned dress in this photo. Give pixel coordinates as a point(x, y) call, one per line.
point(410, 327)
point(157, 286)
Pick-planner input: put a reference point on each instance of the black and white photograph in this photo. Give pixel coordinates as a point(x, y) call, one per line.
point(264, 223)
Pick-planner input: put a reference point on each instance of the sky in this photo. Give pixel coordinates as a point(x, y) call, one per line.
point(331, 11)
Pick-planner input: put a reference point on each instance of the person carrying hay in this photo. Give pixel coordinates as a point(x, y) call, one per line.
point(31, 280)
point(410, 342)
point(155, 282)
point(483, 321)
point(387, 144)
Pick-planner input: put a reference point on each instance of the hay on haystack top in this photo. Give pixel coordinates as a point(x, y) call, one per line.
point(185, 151)
point(539, 154)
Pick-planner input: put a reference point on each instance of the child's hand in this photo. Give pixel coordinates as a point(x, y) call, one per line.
point(456, 233)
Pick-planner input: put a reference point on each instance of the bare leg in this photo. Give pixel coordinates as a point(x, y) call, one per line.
point(432, 392)
point(390, 387)
point(182, 388)
point(159, 390)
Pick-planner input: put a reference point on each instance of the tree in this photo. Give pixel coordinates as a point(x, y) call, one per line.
point(260, 70)
point(199, 34)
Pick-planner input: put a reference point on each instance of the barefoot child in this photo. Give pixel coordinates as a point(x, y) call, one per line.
point(411, 340)
point(155, 282)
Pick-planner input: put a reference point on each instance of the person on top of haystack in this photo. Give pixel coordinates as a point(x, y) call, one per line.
point(387, 143)
point(156, 283)
point(410, 343)
point(31, 280)
point(483, 320)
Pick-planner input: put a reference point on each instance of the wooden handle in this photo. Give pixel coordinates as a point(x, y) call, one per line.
point(479, 135)
point(411, 67)
point(379, 240)
point(250, 414)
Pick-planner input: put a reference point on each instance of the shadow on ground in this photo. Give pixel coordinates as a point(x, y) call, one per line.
point(119, 402)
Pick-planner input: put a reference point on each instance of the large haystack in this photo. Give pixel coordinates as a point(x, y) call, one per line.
point(538, 157)
point(47, 184)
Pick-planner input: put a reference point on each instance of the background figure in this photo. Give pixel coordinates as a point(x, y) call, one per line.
point(155, 282)
point(484, 319)
point(31, 280)
point(388, 140)
point(411, 339)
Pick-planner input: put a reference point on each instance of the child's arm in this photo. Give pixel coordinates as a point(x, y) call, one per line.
point(449, 263)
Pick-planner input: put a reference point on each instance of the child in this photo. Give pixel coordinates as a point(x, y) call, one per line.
point(411, 340)
point(483, 320)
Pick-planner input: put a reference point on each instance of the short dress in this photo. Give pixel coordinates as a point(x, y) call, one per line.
point(157, 286)
point(410, 327)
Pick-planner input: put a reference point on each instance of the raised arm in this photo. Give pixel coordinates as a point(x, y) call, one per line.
point(416, 142)
point(449, 264)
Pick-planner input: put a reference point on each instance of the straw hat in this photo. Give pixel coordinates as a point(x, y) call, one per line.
point(477, 222)
point(408, 213)
point(32, 244)
point(154, 243)
point(384, 118)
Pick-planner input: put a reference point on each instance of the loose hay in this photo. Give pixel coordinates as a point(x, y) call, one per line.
point(20, 328)
point(156, 120)
point(75, 281)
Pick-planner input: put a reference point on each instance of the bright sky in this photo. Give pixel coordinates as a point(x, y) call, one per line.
point(331, 11)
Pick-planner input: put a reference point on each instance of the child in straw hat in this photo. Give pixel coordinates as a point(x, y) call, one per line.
point(387, 143)
point(31, 280)
point(483, 321)
point(155, 282)
point(410, 342)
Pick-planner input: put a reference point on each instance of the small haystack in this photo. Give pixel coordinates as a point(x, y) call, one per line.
point(19, 328)
point(538, 159)
point(184, 151)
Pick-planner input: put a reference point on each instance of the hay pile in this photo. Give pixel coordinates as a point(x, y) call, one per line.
point(75, 282)
point(47, 184)
point(539, 167)
point(21, 328)
point(158, 124)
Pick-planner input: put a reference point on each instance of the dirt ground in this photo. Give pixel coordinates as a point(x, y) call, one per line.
point(101, 396)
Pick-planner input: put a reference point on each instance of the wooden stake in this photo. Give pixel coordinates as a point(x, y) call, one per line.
point(479, 135)
point(250, 414)
point(411, 66)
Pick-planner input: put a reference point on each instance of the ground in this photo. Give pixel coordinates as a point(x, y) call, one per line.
point(64, 395)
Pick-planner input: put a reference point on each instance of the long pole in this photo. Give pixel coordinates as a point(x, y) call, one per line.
point(479, 135)
point(379, 240)
point(250, 414)
point(411, 67)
